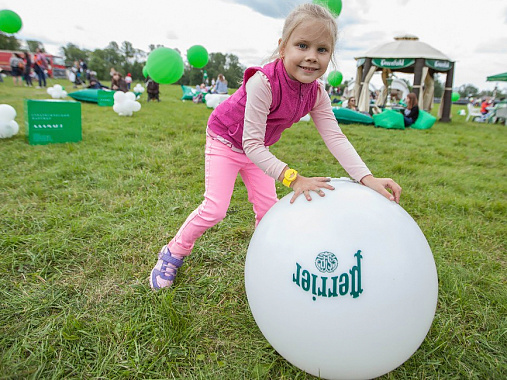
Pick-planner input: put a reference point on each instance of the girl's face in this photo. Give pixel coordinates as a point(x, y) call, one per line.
point(307, 52)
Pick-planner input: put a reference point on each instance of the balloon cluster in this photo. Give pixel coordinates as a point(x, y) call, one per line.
point(213, 100)
point(57, 92)
point(166, 66)
point(10, 22)
point(125, 103)
point(8, 127)
point(139, 88)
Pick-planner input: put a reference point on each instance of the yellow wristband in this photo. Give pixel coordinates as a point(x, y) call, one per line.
point(289, 176)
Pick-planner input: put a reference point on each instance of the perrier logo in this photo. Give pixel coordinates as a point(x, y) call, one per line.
point(320, 285)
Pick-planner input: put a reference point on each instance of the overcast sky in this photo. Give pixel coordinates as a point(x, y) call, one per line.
point(472, 33)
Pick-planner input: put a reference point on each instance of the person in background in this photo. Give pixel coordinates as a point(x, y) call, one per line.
point(220, 85)
point(351, 104)
point(488, 102)
point(17, 69)
point(83, 69)
point(40, 66)
point(95, 83)
point(118, 83)
point(28, 69)
point(153, 89)
point(411, 113)
point(128, 80)
point(241, 129)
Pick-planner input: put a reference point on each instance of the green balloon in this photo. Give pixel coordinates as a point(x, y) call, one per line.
point(334, 6)
point(455, 96)
point(197, 56)
point(145, 71)
point(10, 22)
point(165, 65)
point(335, 78)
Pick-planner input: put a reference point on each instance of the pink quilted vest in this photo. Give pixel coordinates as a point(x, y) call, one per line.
point(291, 101)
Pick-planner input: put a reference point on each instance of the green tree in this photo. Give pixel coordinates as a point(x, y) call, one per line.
point(218, 63)
point(33, 45)
point(73, 53)
point(9, 42)
point(439, 87)
point(468, 90)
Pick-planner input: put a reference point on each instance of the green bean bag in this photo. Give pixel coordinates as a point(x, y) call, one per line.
point(348, 116)
point(425, 120)
point(93, 95)
point(188, 92)
point(389, 119)
point(86, 95)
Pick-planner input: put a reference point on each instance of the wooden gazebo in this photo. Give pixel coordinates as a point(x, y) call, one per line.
point(408, 55)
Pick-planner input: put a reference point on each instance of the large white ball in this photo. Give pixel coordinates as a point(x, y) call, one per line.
point(343, 286)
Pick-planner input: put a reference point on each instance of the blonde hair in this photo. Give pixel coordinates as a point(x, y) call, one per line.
point(303, 13)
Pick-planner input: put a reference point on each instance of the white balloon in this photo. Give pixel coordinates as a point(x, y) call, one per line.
point(139, 88)
point(58, 87)
point(130, 96)
point(136, 107)
point(305, 118)
point(8, 129)
point(119, 96)
point(7, 113)
point(213, 100)
point(50, 90)
point(343, 286)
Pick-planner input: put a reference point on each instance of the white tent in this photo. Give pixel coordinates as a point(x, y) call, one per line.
point(409, 55)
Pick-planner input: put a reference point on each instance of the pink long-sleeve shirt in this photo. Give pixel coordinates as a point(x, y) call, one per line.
point(259, 98)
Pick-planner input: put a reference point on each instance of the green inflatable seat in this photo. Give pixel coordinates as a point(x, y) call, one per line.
point(425, 120)
point(348, 116)
point(86, 95)
point(389, 119)
point(93, 95)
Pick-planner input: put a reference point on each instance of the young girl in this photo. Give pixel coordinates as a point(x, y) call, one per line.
point(270, 100)
point(411, 113)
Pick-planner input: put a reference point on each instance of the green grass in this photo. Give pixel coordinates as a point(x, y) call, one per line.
point(80, 226)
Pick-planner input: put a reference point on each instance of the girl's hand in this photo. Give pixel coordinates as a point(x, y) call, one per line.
point(380, 185)
point(303, 185)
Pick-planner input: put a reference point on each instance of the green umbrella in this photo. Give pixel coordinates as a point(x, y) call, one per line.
point(497, 77)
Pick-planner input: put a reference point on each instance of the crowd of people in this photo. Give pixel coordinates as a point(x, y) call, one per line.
point(24, 68)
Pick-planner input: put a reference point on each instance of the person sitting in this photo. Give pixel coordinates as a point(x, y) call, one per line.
point(351, 104)
point(118, 83)
point(411, 113)
point(487, 103)
point(220, 85)
point(95, 84)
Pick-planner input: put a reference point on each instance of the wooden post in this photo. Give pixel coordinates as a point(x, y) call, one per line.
point(418, 68)
point(447, 97)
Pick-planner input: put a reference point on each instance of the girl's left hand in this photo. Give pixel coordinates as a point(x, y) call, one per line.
point(380, 185)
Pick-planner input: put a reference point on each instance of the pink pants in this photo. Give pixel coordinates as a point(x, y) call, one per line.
point(221, 170)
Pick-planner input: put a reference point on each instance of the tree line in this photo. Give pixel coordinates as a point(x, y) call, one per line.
point(125, 58)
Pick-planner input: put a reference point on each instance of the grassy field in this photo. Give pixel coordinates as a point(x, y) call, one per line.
point(81, 224)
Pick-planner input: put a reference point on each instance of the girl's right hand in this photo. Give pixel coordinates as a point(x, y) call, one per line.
point(303, 185)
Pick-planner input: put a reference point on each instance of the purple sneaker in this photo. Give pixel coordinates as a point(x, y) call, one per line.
point(162, 275)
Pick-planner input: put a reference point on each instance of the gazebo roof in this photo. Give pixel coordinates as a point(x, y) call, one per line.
point(406, 46)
